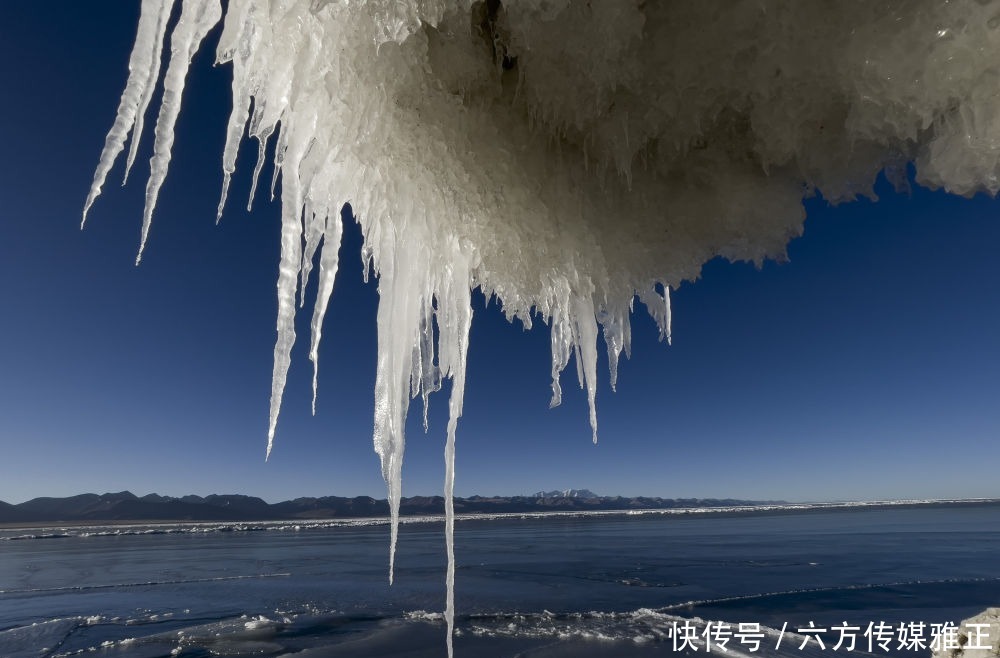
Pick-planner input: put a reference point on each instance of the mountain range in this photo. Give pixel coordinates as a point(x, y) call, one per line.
point(126, 506)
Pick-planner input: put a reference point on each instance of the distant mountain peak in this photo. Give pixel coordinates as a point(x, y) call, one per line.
point(567, 493)
point(119, 495)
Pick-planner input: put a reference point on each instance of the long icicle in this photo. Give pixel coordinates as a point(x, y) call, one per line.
point(328, 262)
point(144, 69)
point(454, 322)
point(197, 18)
point(401, 296)
point(288, 269)
point(166, 6)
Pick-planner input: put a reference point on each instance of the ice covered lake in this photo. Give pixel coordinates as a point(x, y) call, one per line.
point(609, 585)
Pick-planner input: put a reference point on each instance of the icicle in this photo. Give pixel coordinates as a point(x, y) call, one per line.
point(449, 511)
point(586, 340)
point(197, 18)
point(659, 308)
point(455, 321)
point(401, 296)
point(238, 36)
point(615, 323)
point(573, 331)
point(291, 260)
point(279, 157)
point(239, 22)
point(147, 92)
point(144, 69)
point(314, 229)
point(328, 262)
point(560, 342)
point(578, 360)
point(261, 153)
point(667, 316)
point(430, 375)
point(560, 335)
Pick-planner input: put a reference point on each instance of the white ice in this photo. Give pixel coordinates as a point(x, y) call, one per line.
point(975, 637)
point(564, 157)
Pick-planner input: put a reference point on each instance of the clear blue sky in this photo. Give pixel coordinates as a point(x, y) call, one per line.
point(866, 367)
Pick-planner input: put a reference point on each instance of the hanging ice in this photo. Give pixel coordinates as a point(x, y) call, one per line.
point(564, 157)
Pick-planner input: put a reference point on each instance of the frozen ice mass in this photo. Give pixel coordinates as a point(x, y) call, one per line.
point(563, 156)
point(975, 637)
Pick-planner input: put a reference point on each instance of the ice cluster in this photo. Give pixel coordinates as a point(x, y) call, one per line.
point(975, 637)
point(565, 156)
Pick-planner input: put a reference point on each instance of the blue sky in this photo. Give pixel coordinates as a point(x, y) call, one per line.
point(864, 368)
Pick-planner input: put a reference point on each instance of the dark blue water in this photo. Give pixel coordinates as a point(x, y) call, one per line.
point(584, 586)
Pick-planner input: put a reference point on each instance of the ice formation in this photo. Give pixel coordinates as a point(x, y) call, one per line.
point(563, 156)
point(975, 637)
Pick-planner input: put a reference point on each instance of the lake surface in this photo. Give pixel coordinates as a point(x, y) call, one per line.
point(610, 585)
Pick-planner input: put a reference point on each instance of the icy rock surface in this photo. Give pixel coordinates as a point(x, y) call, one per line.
point(563, 156)
point(978, 637)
